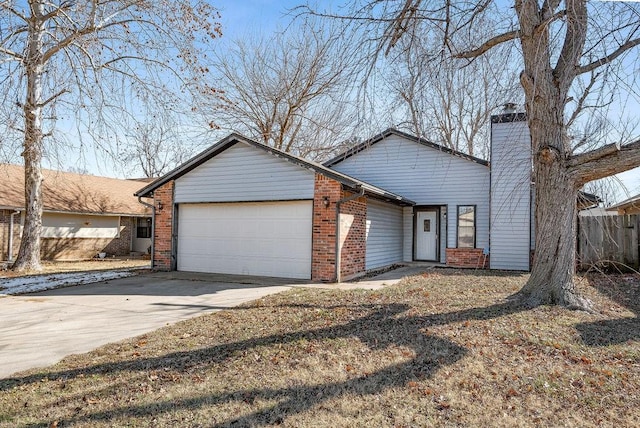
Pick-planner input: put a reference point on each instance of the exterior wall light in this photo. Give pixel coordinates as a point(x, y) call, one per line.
point(325, 201)
point(159, 205)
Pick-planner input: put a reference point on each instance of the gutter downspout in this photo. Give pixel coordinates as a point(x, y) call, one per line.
point(153, 227)
point(338, 246)
point(10, 254)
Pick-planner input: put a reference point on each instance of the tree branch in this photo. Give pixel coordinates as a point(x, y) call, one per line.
point(56, 11)
point(53, 97)
point(604, 162)
point(574, 40)
point(492, 42)
point(400, 24)
point(608, 58)
point(548, 7)
point(5, 5)
point(583, 98)
point(88, 30)
point(11, 53)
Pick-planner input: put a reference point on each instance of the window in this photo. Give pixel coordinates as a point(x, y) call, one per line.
point(143, 227)
point(466, 226)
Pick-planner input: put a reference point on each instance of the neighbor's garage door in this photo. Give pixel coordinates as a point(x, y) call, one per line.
point(266, 238)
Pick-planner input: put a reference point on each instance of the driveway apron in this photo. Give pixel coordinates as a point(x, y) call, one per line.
point(40, 329)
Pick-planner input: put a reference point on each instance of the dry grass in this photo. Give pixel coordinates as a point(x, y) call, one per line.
point(81, 266)
point(443, 349)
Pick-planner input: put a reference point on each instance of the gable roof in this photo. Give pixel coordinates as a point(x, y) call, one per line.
point(628, 206)
point(72, 193)
point(392, 131)
point(233, 139)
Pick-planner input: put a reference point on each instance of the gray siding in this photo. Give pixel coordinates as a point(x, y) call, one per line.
point(443, 232)
point(510, 196)
point(384, 234)
point(407, 232)
point(245, 173)
point(428, 177)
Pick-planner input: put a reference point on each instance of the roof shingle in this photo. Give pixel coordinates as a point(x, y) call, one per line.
point(70, 192)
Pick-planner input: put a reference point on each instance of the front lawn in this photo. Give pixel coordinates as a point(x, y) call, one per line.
point(53, 267)
point(441, 349)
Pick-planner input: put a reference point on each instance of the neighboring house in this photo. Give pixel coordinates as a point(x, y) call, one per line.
point(83, 215)
point(628, 206)
point(244, 208)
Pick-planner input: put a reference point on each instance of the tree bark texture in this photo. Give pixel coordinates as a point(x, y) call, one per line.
point(29, 254)
point(552, 274)
point(546, 89)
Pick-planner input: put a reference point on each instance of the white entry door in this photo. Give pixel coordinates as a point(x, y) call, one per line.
point(426, 235)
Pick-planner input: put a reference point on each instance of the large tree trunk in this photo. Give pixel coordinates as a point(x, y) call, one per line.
point(29, 253)
point(545, 88)
point(552, 274)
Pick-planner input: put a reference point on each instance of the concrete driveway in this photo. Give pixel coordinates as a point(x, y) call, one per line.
point(39, 329)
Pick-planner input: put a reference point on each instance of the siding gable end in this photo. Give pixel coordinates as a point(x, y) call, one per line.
point(243, 173)
point(427, 176)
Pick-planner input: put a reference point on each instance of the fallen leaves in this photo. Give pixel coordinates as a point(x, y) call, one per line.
point(440, 350)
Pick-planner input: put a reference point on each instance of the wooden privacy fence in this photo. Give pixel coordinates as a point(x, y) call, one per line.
point(608, 242)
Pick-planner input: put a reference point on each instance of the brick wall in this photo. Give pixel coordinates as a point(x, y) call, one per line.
point(87, 248)
point(352, 232)
point(466, 258)
point(121, 246)
point(163, 227)
point(73, 248)
point(323, 247)
point(67, 248)
point(353, 236)
point(5, 218)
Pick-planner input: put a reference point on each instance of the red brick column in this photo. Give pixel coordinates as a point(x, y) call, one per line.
point(163, 227)
point(323, 252)
point(353, 236)
point(352, 233)
point(467, 258)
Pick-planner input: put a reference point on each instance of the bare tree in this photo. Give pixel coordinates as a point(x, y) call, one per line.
point(451, 102)
point(290, 92)
point(65, 57)
point(158, 141)
point(562, 46)
point(153, 147)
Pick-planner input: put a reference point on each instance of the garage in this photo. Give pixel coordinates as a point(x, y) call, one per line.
point(261, 238)
point(243, 208)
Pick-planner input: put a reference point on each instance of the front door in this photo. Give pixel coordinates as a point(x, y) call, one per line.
point(426, 235)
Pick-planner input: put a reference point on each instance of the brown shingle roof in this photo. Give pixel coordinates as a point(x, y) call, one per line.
point(69, 192)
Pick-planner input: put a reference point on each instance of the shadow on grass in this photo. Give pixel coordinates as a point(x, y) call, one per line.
point(383, 326)
point(619, 330)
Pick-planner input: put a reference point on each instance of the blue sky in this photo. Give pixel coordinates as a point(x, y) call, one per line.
point(242, 17)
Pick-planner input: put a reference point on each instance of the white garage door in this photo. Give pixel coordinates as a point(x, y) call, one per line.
point(266, 238)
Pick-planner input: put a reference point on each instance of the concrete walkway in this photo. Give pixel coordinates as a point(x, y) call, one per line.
point(39, 329)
